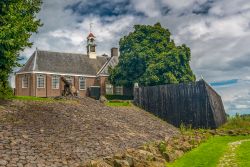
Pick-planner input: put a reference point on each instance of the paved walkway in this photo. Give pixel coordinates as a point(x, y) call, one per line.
point(63, 134)
point(228, 159)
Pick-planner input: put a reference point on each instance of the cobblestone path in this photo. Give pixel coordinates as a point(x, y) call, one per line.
point(68, 134)
point(228, 159)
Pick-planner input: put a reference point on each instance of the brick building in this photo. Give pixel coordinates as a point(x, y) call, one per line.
point(41, 75)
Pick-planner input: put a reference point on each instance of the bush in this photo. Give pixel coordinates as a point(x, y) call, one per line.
point(5, 91)
point(238, 122)
point(119, 97)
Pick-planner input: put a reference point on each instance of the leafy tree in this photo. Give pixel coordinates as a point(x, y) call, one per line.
point(150, 57)
point(17, 23)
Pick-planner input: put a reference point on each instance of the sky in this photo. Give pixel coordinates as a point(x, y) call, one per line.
point(217, 31)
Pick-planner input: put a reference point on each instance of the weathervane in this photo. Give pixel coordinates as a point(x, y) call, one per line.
point(90, 27)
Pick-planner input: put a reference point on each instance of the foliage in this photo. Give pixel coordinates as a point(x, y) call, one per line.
point(208, 153)
point(163, 149)
point(119, 97)
point(5, 91)
point(237, 123)
point(184, 129)
point(243, 154)
point(118, 103)
point(150, 57)
point(17, 23)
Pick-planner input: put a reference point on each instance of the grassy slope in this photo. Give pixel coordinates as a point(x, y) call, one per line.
point(208, 153)
point(243, 154)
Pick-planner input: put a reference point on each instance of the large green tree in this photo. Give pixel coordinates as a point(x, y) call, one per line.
point(150, 57)
point(17, 23)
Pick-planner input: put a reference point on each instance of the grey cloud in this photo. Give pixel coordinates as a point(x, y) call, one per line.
point(103, 8)
point(203, 9)
point(242, 62)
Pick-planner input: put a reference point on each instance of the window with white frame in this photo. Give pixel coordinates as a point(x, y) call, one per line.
point(55, 81)
point(40, 81)
point(119, 90)
point(25, 82)
point(82, 83)
point(109, 89)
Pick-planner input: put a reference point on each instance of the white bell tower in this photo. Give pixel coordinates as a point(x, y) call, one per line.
point(91, 46)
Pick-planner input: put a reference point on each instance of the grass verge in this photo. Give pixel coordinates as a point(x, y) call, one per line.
point(42, 99)
point(30, 98)
point(208, 153)
point(243, 154)
point(118, 103)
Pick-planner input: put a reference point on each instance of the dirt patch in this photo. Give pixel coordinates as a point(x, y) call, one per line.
point(70, 133)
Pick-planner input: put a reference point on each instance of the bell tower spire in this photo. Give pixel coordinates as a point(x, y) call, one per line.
point(91, 45)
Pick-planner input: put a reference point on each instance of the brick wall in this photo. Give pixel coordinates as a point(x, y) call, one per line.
point(102, 83)
point(23, 91)
point(32, 89)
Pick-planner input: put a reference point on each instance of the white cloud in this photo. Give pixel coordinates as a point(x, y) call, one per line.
point(148, 7)
point(72, 36)
point(224, 8)
point(212, 28)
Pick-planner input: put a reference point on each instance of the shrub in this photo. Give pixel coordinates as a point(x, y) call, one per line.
point(238, 122)
point(5, 91)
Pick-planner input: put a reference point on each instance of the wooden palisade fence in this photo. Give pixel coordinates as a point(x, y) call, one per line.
point(195, 104)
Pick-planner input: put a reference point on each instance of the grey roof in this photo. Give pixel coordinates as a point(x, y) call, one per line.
point(113, 61)
point(69, 63)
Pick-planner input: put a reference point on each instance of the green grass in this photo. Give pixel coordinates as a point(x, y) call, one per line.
point(118, 103)
point(243, 154)
point(119, 97)
point(207, 154)
point(31, 98)
point(237, 122)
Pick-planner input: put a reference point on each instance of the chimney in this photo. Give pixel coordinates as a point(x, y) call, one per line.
point(114, 52)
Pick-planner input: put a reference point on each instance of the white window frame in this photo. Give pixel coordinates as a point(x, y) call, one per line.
point(81, 79)
point(55, 79)
point(111, 87)
point(121, 90)
point(23, 84)
point(38, 77)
